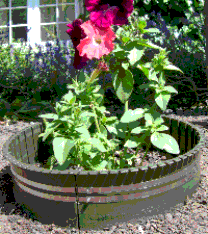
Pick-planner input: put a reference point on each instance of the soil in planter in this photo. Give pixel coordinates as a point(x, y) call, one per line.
point(45, 151)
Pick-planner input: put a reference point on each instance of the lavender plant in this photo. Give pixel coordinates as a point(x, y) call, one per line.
point(26, 76)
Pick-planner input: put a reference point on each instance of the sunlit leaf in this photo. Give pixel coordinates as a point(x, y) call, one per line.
point(151, 30)
point(162, 128)
point(165, 142)
point(170, 89)
point(172, 67)
point(162, 100)
point(61, 148)
point(133, 142)
point(138, 130)
point(97, 144)
point(132, 115)
point(123, 83)
point(135, 55)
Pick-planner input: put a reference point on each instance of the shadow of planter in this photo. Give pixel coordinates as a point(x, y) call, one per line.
point(106, 198)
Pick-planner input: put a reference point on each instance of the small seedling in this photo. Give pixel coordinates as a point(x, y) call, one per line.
point(7, 120)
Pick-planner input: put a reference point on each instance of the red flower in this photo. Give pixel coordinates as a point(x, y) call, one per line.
point(106, 13)
point(97, 42)
point(77, 33)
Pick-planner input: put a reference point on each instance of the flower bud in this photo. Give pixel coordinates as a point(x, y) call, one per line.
point(103, 66)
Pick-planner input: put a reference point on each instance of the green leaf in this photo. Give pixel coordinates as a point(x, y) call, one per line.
point(142, 24)
point(17, 102)
point(132, 115)
point(158, 121)
point(135, 55)
point(50, 128)
point(121, 134)
point(165, 142)
point(30, 109)
point(112, 129)
point(51, 161)
point(65, 110)
point(111, 119)
point(87, 149)
point(49, 116)
point(146, 43)
point(131, 46)
point(162, 79)
point(172, 67)
point(87, 118)
point(125, 65)
point(69, 97)
point(162, 100)
point(85, 133)
point(144, 86)
point(153, 76)
point(144, 69)
point(170, 89)
point(64, 166)
point(96, 88)
point(82, 77)
point(61, 148)
point(133, 142)
point(99, 98)
point(162, 128)
point(120, 54)
point(153, 46)
point(125, 39)
point(132, 125)
point(149, 119)
point(97, 144)
point(118, 48)
point(87, 114)
point(66, 119)
point(151, 30)
point(123, 83)
point(139, 130)
point(101, 109)
point(100, 166)
point(103, 130)
point(148, 65)
point(151, 84)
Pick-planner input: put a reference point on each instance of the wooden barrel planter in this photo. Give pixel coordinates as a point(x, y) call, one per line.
point(105, 198)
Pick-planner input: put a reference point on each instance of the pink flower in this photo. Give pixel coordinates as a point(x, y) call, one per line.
point(97, 42)
point(76, 33)
point(106, 13)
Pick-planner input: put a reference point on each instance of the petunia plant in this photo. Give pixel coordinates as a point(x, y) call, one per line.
point(84, 133)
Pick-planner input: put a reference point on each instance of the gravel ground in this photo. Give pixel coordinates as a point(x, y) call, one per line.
point(190, 217)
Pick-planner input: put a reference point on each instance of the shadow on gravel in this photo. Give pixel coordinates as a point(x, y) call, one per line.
point(8, 204)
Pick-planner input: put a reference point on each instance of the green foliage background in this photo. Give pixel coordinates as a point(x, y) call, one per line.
point(182, 32)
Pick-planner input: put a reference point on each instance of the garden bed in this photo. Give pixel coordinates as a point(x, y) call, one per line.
point(190, 217)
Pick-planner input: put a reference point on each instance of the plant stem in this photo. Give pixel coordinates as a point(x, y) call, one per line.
point(126, 106)
point(153, 107)
point(148, 146)
point(128, 135)
point(137, 150)
point(96, 120)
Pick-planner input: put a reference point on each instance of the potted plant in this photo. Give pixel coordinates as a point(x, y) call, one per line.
point(97, 173)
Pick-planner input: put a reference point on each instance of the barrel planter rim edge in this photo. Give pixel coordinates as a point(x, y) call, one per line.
point(12, 159)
